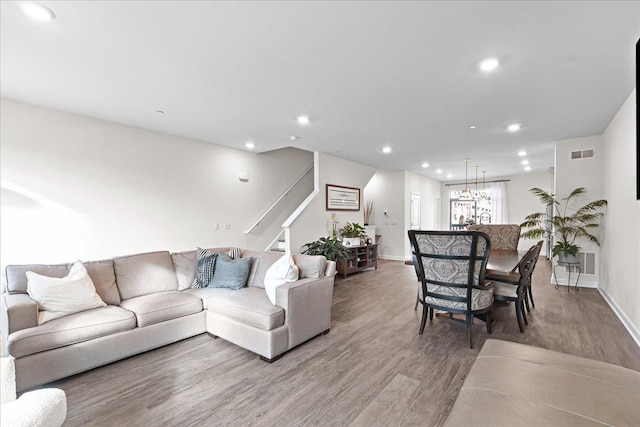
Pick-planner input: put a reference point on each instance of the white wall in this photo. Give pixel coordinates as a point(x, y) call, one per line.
point(620, 249)
point(428, 189)
point(587, 173)
point(386, 189)
point(75, 187)
point(315, 221)
point(391, 192)
point(520, 202)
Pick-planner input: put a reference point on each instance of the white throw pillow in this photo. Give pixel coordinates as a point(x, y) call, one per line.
point(282, 271)
point(58, 297)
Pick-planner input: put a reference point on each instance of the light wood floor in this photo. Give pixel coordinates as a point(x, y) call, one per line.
point(372, 369)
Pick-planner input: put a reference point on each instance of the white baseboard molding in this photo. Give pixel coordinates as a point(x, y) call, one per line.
point(393, 258)
point(581, 283)
point(635, 333)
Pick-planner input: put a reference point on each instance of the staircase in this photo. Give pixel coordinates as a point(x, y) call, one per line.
point(265, 223)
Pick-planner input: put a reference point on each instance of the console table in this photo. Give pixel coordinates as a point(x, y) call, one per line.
point(362, 257)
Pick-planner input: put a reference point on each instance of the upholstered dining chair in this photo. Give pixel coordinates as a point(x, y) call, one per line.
point(513, 287)
point(451, 267)
point(502, 236)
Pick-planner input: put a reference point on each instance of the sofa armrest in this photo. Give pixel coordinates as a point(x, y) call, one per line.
point(330, 269)
point(307, 307)
point(19, 311)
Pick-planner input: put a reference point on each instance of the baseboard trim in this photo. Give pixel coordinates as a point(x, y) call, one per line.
point(581, 283)
point(392, 258)
point(621, 315)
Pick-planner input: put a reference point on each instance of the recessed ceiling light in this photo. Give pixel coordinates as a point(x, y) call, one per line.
point(514, 127)
point(449, 175)
point(303, 120)
point(439, 171)
point(528, 168)
point(38, 11)
point(425, 165)
point(525, 162)
point(386, 150)
point(294, 138)
point(250, 145)
point(489, 64)
point(472, 127)
point(522, 153)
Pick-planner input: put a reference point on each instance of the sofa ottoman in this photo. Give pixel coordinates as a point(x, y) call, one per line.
point(513, 384)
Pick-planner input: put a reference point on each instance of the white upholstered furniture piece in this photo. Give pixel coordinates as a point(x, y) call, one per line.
point(38, 408)
point(150, 303)
point(512, 384)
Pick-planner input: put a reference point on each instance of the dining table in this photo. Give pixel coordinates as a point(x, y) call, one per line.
point(502, 264)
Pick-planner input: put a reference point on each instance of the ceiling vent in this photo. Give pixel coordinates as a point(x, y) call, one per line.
point(583, 154)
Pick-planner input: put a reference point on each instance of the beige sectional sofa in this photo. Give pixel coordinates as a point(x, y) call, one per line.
point(150, 303)
point(512, 384)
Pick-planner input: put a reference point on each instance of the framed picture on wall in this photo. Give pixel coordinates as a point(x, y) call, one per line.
point(341, 198)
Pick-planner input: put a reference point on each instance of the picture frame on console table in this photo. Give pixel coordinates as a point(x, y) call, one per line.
point(340, 198)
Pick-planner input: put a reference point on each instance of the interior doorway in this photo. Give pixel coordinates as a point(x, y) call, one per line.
point(416, 200)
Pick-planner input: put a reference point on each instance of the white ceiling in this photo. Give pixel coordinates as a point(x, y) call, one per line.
point(368, 74)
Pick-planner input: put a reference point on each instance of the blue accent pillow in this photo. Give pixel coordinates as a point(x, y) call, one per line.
point(230, 273)
point(205, 269)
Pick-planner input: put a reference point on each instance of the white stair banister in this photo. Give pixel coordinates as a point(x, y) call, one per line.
point(272, 207)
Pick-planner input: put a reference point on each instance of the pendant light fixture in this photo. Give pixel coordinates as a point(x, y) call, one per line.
point(466, 194)
point(476, 193)
point(483, 195)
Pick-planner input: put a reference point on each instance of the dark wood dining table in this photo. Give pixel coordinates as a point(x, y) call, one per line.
point(501, 263)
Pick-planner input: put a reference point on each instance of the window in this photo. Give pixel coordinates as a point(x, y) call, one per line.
point(465, 212)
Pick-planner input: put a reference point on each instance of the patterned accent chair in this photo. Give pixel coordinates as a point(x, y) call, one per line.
point(502, 236)
point(451, 267)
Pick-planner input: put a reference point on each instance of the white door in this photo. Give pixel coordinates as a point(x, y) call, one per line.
point(415, 211)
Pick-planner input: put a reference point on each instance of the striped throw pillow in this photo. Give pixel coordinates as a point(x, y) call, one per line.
point(205, 269)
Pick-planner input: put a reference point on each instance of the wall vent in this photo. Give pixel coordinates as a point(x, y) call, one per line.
point(583, 154)
point(587, 263)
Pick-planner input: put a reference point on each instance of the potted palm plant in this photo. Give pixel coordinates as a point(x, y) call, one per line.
point(330, 247)
point(567, 223)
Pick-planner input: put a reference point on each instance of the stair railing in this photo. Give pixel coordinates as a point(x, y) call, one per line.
point(272, 207)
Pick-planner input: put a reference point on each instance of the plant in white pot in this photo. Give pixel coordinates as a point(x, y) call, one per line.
point(568, 223)
point(351, 234)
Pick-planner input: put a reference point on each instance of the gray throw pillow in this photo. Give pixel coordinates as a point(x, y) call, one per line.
point(229, 273)
point(205, 269)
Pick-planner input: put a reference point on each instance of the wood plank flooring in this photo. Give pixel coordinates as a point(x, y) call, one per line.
point(372, 369)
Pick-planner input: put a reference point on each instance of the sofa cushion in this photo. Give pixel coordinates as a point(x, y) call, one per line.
point(101, 273)
point(310, 266)
point(161, 306)
point(71, 329)
point(59, 297)
point(249, 306)
point(205, 293)
point(145, 274)
point(230, 273)
point(186, 264)
point(262, 262)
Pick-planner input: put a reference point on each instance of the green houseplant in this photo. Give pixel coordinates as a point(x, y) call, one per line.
point(352, 233)
point(565, 227)
point(330, 247)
